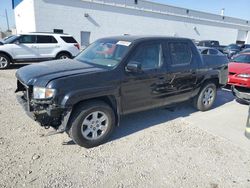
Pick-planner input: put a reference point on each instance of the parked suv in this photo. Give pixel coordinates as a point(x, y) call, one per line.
point(86, 97)
point(33, 47)
point(211, 44)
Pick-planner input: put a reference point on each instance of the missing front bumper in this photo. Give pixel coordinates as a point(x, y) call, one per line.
point(48, 116)
point(244, 94)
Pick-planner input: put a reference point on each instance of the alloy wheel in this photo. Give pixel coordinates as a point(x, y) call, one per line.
point(208, 96)
point(64, 57)
point(95, 125)
point(3, 62)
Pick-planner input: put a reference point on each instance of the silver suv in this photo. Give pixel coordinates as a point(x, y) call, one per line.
point(33, 47)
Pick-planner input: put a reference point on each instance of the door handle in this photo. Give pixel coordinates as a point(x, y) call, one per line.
point(33, 46)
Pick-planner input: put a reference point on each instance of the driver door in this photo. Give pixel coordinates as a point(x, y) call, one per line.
point(25, 48)
point(140, 90)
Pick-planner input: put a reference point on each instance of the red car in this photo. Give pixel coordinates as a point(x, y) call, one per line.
point(239, 76)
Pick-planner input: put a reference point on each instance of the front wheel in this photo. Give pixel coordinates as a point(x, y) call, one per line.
point(206, 97)
point(92, 124)
point(4, 61)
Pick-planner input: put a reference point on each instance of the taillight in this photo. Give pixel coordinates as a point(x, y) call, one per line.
point(77, 46)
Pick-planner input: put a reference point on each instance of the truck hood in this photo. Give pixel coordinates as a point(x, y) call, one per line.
point(40, 74)
point(239, 67)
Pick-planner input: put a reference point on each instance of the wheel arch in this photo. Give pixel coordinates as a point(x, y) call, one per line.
point(214, 80)
point(109, 100)
point(64, 52)
point(8, 55)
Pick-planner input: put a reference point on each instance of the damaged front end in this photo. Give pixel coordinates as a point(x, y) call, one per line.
point(244, 94)
point(46, 112)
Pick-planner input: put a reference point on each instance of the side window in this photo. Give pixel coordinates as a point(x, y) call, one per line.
point(27, 39)
point(213, 52)
point(69, 39)
point(41, 39)
point(204, 52)
point(180, 53)
point(149, 55)
point(201, 44)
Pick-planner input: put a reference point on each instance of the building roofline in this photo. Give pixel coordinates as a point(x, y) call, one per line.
point(208, 13)
point(182, 13)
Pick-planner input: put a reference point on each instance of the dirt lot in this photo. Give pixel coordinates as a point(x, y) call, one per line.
point(150, 149)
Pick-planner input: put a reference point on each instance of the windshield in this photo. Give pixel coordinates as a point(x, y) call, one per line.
point(104, 52)
point(233, 47)
point(243, 58)
point(10, 39)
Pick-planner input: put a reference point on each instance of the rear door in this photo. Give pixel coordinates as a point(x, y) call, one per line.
point(25, 48)
point(47, 46)
point(181, 76)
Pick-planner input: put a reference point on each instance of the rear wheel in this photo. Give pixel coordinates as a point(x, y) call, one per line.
point(92, 124)
point(63, 56)
point(4, 61)
point(206, 97)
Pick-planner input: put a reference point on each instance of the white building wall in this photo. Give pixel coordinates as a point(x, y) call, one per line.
point(114, 17)
point(25, 17)
point(248, 38)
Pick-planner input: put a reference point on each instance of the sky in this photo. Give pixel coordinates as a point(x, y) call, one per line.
point(238, 9)
point(6, 4)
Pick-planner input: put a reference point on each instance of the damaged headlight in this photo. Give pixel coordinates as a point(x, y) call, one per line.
point(43, 93)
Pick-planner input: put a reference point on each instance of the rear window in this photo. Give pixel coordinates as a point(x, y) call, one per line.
point(69, 39)
point(215, 43)
point(180, 53)
point(46, 39)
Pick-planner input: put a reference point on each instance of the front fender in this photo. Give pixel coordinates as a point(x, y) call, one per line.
point(76, 96)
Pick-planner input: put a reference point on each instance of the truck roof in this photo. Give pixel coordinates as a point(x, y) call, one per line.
point(132, 38)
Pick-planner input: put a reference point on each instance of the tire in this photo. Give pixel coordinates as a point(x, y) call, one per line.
point(91, 124)
point(63, 56)
point(4, 61)
point(242, 101)
point(206, 97)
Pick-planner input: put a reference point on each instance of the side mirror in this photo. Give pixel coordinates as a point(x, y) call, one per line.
point(134, 66)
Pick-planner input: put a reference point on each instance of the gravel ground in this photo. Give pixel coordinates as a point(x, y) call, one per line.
point(149, 149)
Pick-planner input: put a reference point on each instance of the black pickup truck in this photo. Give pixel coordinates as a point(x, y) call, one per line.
point(85, 97)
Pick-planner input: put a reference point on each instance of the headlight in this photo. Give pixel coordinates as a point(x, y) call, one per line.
point(244, 75)
point(43, 93)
